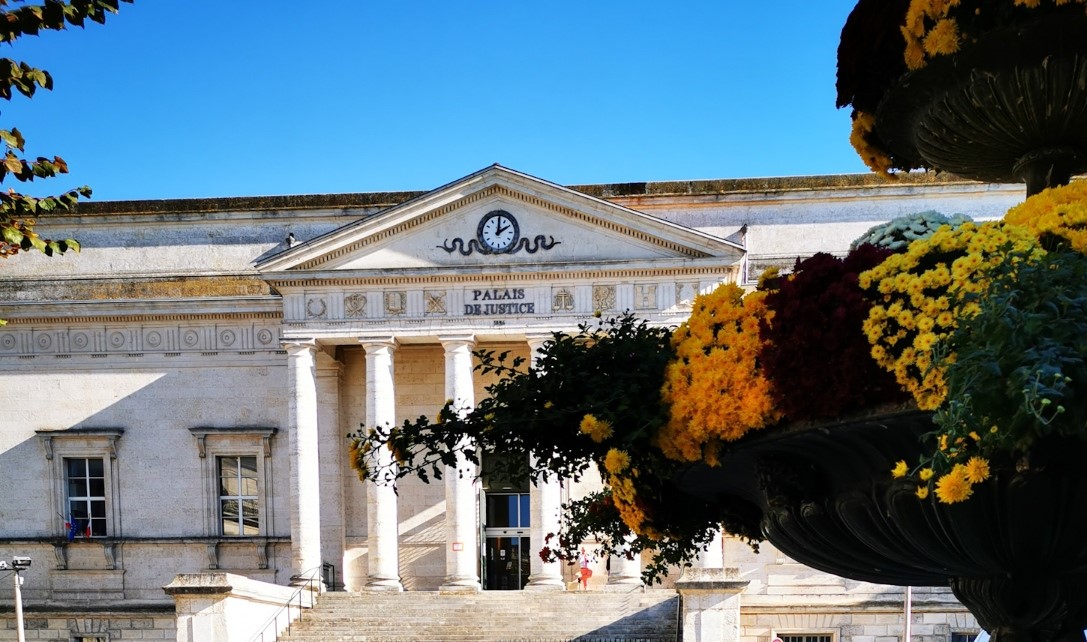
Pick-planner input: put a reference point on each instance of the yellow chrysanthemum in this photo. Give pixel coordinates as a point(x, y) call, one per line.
point(924, 292)
point(922, 492)
point(714, 388)
point(616, 461)
point(900, 469)
point(954, 487)
point(926, 474)
point(875, 158)
point(597, 429)
point(976, 470)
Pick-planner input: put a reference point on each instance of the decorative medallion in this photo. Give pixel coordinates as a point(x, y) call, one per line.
point(45, 341)
point(498, 232)
point(435, 301)
point(79, 340)
point(7, 341)
point(191, 338)
point(603, 297)
point(645, 296)
point(316, 308)
point(265, 336)
point(116, 339)
point(396, 303)
point(153, 339)
point(227, 337)
point(562, 301)
point(354, 305)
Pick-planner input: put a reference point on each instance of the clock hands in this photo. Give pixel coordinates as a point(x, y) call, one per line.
point(500, 228)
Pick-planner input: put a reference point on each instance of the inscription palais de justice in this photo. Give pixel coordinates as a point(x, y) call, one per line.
point(498, 301)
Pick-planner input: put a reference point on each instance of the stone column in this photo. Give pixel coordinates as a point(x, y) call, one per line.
point(711, 604)
point(331, 451)
point(462, 522)
point(545, 506)
point(626, 574)
point(714, 555)
point(305, 466)
point(382, 521)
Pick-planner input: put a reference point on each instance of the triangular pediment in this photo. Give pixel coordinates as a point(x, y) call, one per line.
point(499, 219)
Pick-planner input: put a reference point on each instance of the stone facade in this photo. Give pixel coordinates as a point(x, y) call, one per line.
point(243, 338)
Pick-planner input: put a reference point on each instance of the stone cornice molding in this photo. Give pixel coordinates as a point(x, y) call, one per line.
point(108, 436)
point(140, 311)
point(534, 273)
point(202, 433)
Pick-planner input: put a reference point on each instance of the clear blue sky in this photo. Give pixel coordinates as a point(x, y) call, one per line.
point(203, 98)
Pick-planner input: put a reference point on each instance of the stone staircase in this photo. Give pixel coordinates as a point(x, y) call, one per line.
point(495, 616)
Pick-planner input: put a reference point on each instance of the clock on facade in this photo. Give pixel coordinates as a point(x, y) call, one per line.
point(498, 231)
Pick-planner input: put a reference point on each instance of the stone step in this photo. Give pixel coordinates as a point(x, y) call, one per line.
point(507, 616)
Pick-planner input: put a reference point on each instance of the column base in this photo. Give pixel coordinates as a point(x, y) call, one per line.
point(383, 586)
point(466, 585)
point(545, 584)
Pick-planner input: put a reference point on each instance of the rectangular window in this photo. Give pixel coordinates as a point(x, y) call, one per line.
point(89, 638)
point(806, 637)
point(86, 481)
point(963, 637)
point(239, 497)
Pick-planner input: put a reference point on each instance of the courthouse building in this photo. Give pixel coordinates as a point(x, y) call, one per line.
point(177, 395)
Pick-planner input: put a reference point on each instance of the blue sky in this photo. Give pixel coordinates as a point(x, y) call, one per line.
point(206, 98)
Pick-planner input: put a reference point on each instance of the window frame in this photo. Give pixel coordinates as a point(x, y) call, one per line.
point(239, 497)
point(214, 443)
point(82, 443)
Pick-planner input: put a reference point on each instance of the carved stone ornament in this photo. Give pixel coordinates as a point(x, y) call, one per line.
point(354, 305)
point(645, 296)
point(562, 301)
point(316, 308)
point(435, 301)
point(396, 303)
point(603, 297)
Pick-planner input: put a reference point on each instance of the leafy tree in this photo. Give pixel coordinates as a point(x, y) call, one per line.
point(19, 211)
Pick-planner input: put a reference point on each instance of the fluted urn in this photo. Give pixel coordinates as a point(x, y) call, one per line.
point(1015, 553)
point(1010, 106)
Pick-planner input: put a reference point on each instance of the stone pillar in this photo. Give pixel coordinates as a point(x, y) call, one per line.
point(711, 604)
point(382, 521)
point(305, 465)
point(626, 574)
point(462, 522)
point(714, 555)
point(545, 507)
point(331, 450)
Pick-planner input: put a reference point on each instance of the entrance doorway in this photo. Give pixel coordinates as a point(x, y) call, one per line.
point(506, 546)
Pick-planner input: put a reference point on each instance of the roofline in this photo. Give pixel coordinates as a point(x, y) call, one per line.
point(381, 200)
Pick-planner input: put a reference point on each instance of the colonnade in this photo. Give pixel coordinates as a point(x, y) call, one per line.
point(307, 505)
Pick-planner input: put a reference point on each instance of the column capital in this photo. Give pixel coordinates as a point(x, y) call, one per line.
point(298, 346)
point(386, 341)
point(454, 341)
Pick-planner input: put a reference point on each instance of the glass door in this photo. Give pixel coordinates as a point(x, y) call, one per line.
point(506, 546)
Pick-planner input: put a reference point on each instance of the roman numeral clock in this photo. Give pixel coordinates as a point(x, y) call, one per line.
point(499, 232)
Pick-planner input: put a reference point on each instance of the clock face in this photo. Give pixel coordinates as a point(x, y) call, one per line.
point(498, 231)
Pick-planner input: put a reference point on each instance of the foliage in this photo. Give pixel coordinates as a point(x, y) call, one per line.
point(814, 351)
point(899, 232)
point(1015, 374)
point(18, 212)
